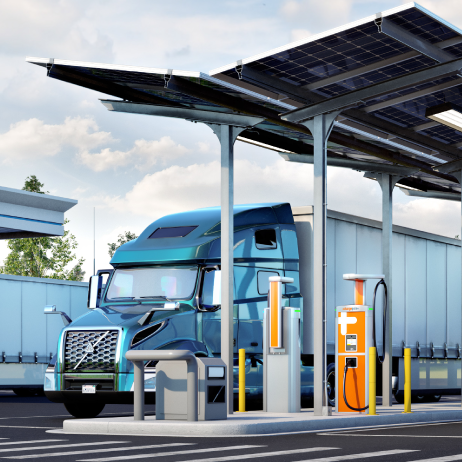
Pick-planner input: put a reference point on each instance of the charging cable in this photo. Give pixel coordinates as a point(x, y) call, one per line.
point(347, 365)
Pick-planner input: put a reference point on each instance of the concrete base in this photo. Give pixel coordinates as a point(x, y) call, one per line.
point(262, 423)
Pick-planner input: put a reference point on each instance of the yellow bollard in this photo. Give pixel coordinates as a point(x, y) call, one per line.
point(372, 381)
point(407, 381)
point(242, 380)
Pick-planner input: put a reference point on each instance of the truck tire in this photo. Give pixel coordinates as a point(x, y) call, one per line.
point(330, 378)
point(84, 411)
point(25, 392)
point(435, 398)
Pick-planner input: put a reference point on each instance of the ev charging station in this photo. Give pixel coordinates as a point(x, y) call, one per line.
point(281, 352)
point(353, 338)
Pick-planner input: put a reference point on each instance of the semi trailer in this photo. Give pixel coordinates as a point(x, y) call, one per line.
point(28, 339)
point(163, 292)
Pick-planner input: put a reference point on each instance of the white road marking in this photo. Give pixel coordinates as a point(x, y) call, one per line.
point(173, 453)
point(69, 416)
point(30, 442)
point(62, 446)
point(89, 451)
point(364, 455)
point(12, 426)
point(441, 459)
point(392, 436)
point(261, 454)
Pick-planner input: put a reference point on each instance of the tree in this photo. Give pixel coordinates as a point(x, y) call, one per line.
point(125, 237)
point(43, 257)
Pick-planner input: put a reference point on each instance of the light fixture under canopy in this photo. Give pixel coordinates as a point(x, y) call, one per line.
point(447, 114)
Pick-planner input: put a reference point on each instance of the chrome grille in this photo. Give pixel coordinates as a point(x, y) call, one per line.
point(97, 355)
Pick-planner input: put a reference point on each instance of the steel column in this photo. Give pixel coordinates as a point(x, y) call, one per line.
point(387, 183)
point(320, 128)
point(227, 135)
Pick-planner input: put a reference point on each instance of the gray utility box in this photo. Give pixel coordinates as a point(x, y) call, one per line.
point(171, 390)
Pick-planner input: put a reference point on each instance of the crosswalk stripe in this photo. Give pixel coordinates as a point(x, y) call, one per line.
point(172, 453)
point(364, 455)
point(441, 459)
point(62, 446)
point(89, 451)
point(30, 442)
point(261, 454)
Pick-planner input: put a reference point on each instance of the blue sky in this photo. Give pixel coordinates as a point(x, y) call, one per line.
point(134, 169)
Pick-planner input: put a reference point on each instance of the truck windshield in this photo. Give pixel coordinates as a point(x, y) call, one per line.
point(164, 283)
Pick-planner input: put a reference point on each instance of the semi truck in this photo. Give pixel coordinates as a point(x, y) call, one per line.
point(162, 292)
point(28, 339)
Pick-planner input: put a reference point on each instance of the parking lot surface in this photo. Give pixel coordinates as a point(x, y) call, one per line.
point(25, 425)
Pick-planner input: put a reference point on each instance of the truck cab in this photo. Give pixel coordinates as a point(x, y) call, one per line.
point(163, 292)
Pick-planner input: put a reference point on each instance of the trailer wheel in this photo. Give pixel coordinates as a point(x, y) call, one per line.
point(84, 411)
point(435, 398)
point(330, 379)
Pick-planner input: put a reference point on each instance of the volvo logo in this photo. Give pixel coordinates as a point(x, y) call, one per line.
point(89, 348)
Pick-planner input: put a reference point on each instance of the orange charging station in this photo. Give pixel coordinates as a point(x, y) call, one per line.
point(353, 337)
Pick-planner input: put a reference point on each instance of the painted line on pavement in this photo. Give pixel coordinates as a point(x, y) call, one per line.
point(261, 454)
point(388, 436)
point(174, 453)
point(62, 446)
point(30, 442)
point(441, 459)
point(364, 455)
point(90, 451)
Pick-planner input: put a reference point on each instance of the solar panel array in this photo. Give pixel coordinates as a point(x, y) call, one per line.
point(328, 65)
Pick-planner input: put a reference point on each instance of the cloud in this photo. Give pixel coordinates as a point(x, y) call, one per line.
point(32, 139)
point(317, 14)
point(299, 34)
point(184, 51)
point(143, 154)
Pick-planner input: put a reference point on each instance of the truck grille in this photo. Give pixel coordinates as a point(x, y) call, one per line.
point(97, 355)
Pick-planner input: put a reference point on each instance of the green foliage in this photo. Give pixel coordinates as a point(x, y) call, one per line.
point(43, 257)
point(125, 237)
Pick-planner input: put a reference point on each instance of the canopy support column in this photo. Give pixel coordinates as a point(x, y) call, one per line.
point(227, 136)
point(320, 128)
point(387, 183)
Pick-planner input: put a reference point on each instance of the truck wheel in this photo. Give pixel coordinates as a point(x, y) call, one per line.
point(399, 396)
point(25, 392)
point(84, 411)
point(435, 398)
point(330, 374)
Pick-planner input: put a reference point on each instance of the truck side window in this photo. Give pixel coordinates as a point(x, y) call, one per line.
point(211, 289)
point(263, 281)
point(265, 239)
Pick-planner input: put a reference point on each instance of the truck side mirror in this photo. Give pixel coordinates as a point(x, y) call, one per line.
point(51, 309)
point(210, 293)
point(94, 292)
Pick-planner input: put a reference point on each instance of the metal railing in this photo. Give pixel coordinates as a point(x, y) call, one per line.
point(137, 357)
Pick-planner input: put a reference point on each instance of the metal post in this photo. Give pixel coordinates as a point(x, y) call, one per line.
point(320, 128)
point(227, 242)
point(372, 381)
point(387, 183)
point(192, 390)
point(242, 380)
point(138, 389)
point(94, 241)
point(407, 381)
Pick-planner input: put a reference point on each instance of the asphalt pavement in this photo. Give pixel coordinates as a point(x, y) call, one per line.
point(27, 431)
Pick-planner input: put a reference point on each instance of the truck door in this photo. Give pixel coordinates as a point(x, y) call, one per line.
point(209, 329)
point(252, 292)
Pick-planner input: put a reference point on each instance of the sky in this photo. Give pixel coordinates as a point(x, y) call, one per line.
point(134, 169)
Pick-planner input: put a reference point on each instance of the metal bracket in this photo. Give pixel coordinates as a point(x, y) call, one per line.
point(458, 350)
point(20, 357)
point(239, 69)
point(51, 356)
point(432, 350)
point(378, 22)
point(445, 345)
point(3, 357)
point(417, 347)
point(167, 77)
point(36, 357)
point(50, 65)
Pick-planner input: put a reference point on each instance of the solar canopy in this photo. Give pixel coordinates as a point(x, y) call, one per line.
point(382, 72)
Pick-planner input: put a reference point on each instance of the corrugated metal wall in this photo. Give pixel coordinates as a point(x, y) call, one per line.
point(24, 329)
point(426, 283)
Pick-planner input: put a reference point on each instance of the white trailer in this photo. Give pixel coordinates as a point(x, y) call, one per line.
point(28, 339)
point(426, 294)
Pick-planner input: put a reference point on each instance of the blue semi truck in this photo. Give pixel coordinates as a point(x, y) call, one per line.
point(163, 293)
point(163, 289)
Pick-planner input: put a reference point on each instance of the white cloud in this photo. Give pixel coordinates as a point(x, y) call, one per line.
point(143, 154)
point(317, 15)
point(299, 34)
point(32, 139)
